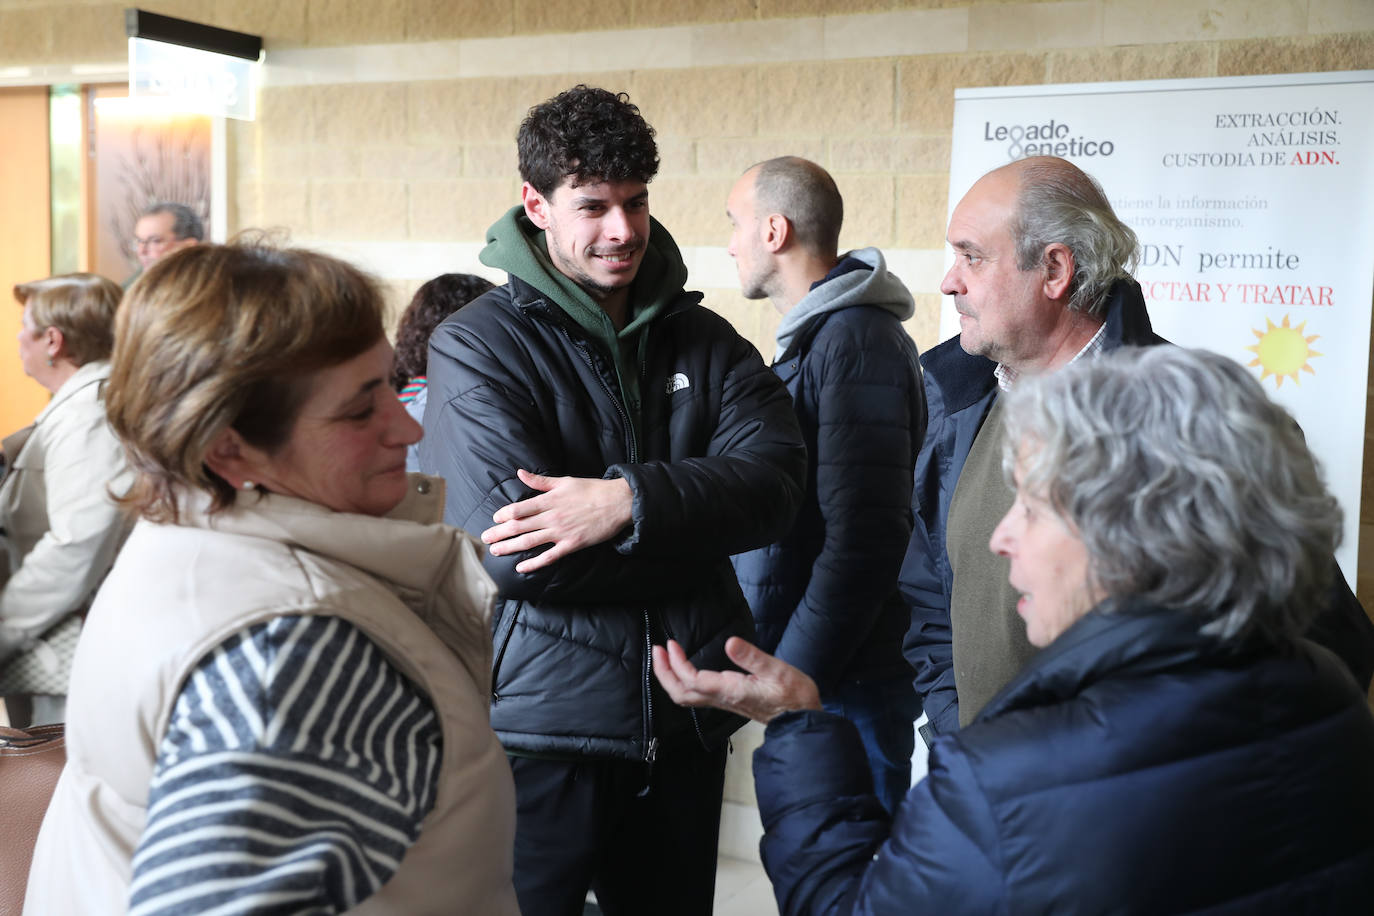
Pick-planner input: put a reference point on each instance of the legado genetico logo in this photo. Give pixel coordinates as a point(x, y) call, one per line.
point(1050, 138)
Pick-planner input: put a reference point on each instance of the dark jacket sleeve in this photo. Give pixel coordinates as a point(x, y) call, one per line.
point(481, 425)
point(929, 643)
point(829, 847)
point(744, 491)
point(868, 433)
point(1343, 627)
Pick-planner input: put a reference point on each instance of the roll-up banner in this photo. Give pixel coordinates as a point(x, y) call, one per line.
point(1253, 198)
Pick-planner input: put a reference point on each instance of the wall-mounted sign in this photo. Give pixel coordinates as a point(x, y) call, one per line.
point(193, 67)
point(193, 80)
point(1250, 197)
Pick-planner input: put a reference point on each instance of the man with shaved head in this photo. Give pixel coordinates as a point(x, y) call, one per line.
point(1041, 277)
point(825, 596)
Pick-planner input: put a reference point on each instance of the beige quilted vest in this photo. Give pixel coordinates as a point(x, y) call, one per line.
point(177, 591)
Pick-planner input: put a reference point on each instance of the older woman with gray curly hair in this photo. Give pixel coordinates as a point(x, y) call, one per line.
point(1175, 746)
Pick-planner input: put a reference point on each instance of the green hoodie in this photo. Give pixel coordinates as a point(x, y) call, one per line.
point(517, 246)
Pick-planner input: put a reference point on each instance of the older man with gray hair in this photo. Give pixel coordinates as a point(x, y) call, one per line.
point(825, 596)
point(1041, 278)
point(163, 228)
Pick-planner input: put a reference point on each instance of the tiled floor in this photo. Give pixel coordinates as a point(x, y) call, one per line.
point(742, 889)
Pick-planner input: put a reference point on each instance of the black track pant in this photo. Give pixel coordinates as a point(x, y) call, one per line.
point(590, 824)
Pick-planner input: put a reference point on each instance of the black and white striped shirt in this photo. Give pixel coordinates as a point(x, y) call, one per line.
point(296, 770)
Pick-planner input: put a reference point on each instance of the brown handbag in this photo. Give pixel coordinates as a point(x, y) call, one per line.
point(31, 759)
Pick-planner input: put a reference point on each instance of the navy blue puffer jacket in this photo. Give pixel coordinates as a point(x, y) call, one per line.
point(825, 597)
point(1134, 766)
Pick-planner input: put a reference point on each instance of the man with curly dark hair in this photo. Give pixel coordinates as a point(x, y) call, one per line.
point(613, 442)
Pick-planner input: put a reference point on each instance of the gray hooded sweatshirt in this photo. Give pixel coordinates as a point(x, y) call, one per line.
point(874, 287)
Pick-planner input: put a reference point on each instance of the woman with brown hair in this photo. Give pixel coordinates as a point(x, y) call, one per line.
point(433, 302)
point(300, 650)
point(61, 527)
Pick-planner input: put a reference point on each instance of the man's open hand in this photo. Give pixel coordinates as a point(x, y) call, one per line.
point(771, 686)
point(569, 512)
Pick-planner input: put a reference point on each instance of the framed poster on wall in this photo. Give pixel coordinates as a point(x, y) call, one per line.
point(1251, 197)
point(144, 154)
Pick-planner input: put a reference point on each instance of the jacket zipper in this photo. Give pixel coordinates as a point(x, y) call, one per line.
point(632, 449)
point(632, 446)
point(650, 740)
point(541, 309)
point(501, 652)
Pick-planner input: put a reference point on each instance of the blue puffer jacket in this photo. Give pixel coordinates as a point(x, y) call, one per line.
point(1134, 766)
point(959, 391)
point(825, 596)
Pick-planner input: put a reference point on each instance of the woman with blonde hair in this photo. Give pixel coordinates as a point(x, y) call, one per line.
point(61, 526)
point(281, 704)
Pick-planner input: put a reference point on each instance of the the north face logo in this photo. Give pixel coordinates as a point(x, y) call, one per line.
point(677, 382)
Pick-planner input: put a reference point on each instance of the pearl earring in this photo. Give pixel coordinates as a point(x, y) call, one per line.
point(249, 485)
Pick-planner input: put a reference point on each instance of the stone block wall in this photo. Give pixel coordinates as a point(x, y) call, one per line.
point(386, 128)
